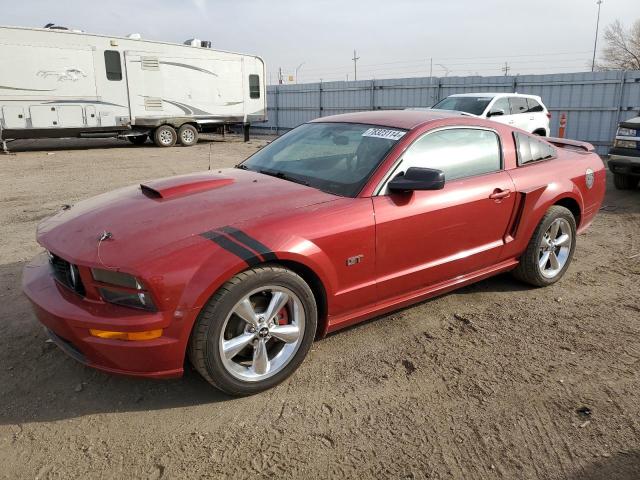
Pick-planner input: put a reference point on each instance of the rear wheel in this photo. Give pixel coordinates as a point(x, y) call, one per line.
point(165, 136)
point(624, 182)
point(255, 331)
point(188, 135)
point(550, 249)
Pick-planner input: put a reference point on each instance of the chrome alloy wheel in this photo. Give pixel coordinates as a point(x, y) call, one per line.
point(555, 248)
point(262, 333)
point(187, 136)
point(166, 138)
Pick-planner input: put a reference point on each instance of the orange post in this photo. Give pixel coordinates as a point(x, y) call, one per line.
point(563, 125)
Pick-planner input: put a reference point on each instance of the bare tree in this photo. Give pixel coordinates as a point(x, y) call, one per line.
point(623, 47)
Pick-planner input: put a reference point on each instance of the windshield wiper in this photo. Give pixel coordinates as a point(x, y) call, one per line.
point(284, 176)
point(242, 167)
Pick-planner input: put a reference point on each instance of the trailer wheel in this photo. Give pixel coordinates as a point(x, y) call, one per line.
point(165, 136)
point(188, 135)
point(138, 139)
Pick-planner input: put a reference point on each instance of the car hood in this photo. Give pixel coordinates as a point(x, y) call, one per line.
point(631, 123)
point(139, 222)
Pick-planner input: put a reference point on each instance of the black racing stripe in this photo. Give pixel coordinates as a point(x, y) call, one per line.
point(264, 251)
point(238, 250)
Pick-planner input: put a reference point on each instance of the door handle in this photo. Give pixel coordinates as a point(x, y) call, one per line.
point(499, 194)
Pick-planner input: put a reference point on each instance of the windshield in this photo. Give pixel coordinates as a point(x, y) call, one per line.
point(337, 158)
point(473, 105)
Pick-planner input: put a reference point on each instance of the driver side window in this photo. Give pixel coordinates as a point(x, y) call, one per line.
point(458, 152)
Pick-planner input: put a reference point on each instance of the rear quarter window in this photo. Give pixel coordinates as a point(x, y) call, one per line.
point(534, 106)
point(531, 149)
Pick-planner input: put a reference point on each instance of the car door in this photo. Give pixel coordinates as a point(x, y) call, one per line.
point(501, 104)
point(428, 237)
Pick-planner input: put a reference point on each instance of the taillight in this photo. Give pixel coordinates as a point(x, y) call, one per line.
point(549, 115)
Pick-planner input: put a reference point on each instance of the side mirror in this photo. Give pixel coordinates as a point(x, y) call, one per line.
point(416, 178)
point(495, 113)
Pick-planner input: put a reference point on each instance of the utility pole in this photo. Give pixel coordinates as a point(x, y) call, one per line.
point(431, 93)
point(280, 76)
point(595, 43)
point(355, 65)
point(298, 68)
point(506, 69)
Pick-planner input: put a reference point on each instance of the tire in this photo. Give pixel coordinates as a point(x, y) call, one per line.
point(165, 136)
point(188, 135)
point(530, 269)
point(138, 139)
point(242, 371)
point(624, 182)
point(540, 133)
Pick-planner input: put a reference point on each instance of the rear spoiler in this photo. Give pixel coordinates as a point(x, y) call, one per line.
point(563, 142)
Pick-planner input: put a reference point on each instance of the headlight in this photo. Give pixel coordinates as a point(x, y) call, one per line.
point(130, 294)
point(626, 132)
point(626, 144)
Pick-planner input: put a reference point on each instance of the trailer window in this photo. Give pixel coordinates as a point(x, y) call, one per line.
point(254, 86)
point(112, 65)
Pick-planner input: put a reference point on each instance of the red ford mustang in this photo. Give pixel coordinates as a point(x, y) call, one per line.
point(339, 220)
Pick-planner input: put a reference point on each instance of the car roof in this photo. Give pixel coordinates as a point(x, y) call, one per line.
point(495, 94)
point(405, 119)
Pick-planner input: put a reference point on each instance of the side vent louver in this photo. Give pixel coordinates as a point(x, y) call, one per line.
point(150, 63)
point(152, 103)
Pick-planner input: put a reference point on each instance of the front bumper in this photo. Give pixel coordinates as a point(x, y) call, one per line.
point(624, 161)
point(68, 317)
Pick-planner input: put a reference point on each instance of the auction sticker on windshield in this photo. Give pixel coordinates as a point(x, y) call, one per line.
point(384, 133)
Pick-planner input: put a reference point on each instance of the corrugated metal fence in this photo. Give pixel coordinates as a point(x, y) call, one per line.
point(594, 103)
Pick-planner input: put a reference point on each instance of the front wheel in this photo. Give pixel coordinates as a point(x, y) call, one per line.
point(550, 249)
point(255, 331)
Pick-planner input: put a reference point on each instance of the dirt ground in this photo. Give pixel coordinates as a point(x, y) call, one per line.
point(486, 382)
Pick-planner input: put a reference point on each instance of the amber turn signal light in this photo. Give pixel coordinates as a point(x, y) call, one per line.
point(146, 335)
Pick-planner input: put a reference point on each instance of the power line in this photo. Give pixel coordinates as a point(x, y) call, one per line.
point(441, 59)
point(398, 69)
point(421, 72)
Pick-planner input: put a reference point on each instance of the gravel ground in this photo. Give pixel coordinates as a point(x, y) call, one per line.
point(496, 380)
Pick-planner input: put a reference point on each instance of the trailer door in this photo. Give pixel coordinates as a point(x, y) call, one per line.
point(144, 84)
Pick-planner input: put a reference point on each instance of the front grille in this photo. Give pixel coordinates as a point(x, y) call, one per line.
point(67, 274)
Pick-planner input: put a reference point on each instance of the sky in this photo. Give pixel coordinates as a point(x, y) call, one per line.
point(393, 38)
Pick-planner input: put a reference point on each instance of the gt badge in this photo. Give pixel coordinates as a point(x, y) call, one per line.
point(589, 177)
point(351, 261)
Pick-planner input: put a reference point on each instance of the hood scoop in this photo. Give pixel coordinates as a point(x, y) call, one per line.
point(183, 185)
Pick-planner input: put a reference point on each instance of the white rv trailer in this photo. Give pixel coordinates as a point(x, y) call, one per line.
point(57, 83)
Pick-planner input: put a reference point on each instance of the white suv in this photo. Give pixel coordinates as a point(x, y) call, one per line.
point(526, 112)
